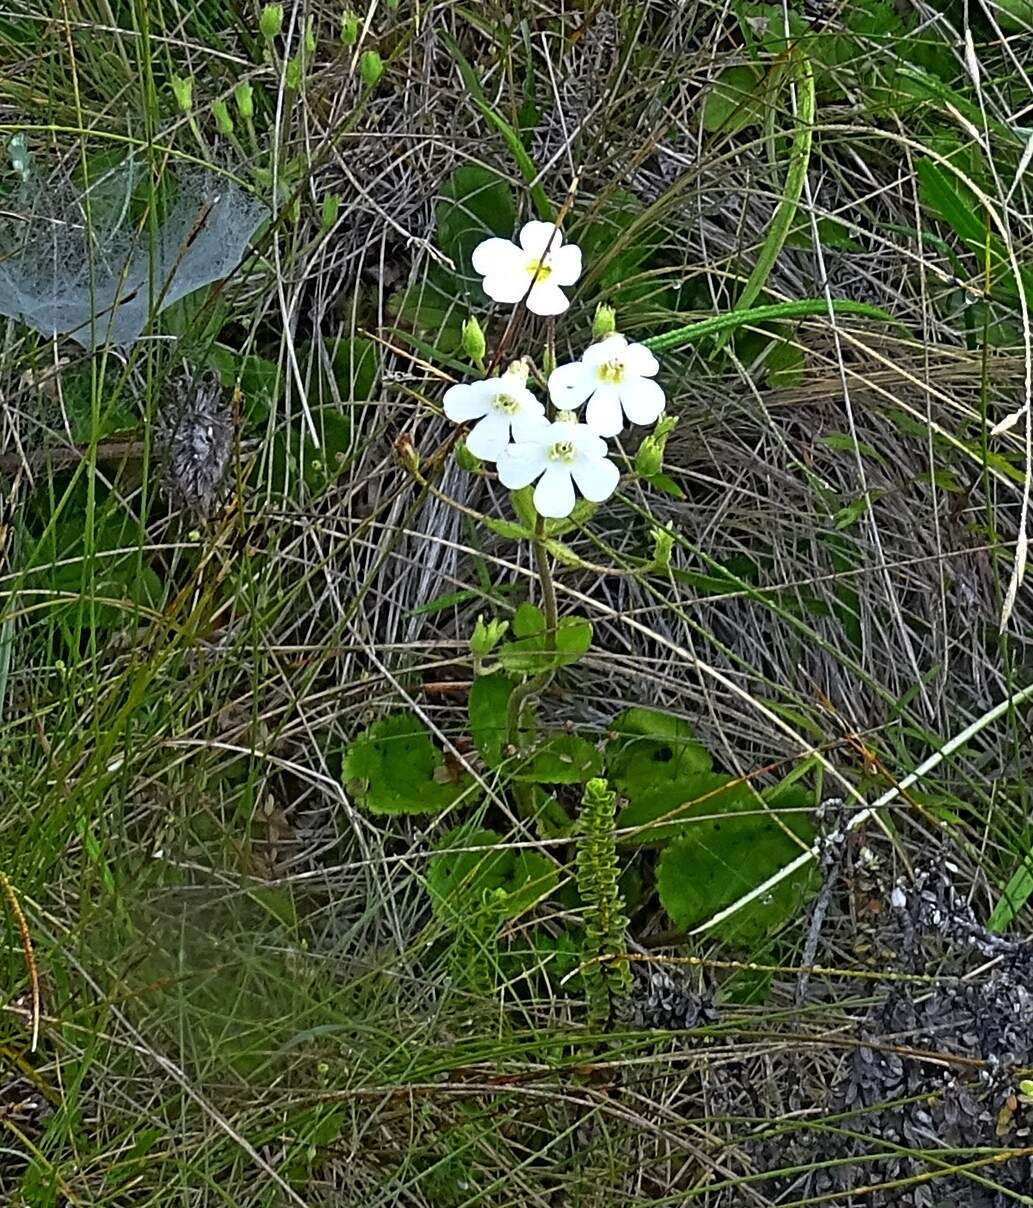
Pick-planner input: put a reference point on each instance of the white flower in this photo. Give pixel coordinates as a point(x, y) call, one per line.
point(541, 264)
point(615, 377)
point(503, 406)
point(560, 454)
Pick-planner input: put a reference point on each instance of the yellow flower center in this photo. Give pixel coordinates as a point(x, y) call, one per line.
point(612, 372)
point(539, 270)
point(505, 404)
point(562, 450)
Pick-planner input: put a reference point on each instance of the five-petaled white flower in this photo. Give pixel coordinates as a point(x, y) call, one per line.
point(503, 407)
point(541, 264)
point(558, 455)
point(615, 377)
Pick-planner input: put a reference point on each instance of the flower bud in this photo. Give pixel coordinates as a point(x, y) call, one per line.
point(520, 370)
point(473, 340)
point(331, 207)
point(465, 460)
point(244, 95)
point(407, 455)
point(270, 22)
point(310, 37)
point(605, 321)
point(223, 121)
point(183, 91)
point(486, 636)
point(371, 68)
point(293, 74)
point(650, 457)
point(349, 27)
point(663, 544)
point(1026, 1086)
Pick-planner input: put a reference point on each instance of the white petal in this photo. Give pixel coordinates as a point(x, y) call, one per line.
point(554, 494)
point(528, 424)
point(588, 442)
point(640, 361)
point(603, 413)
point(493, 256)
point(610, 349)
point(535, 237)
point(489, 437)
point(642, 400)
point(507, 286)
point(570, 385)
point(596, 477)
point(565, 263)
point(520, 394)
point(521, 464)
point(546, 298)
point(466, 400)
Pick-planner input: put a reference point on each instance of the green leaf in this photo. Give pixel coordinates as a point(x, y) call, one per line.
point(394, 768)
point(486, 707)
point(718, 861)
point(663, 482)
point(562, 759)
point(487, 875)
point(849, 515)
point(458, 879)
point(528, 620)
point(733, 102)
point(355, 366)
point(529, 656)
point(650, 748)
point(666, 810)
point(616, 240)
point(1016, 894)
point(474, 204)
point(785, 365)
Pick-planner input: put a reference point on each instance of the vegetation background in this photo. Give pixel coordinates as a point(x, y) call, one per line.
point(250, 993)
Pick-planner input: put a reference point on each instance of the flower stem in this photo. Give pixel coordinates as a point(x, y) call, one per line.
point(521, 695)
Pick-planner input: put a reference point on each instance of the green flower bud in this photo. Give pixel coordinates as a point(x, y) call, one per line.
point(371, 68)
point(486, 636)
point(465, 460)
point(183, 91)
point(244, 96)
point(473, 340)
point(1026, 1086)
point(310, 37)
point(270, 22)
point(223, 121)
point(605, 321)
point(548, 360)
point(650, 457)
point(293, 75)
point(331, 207)
point(349, 27)
point(663, 544)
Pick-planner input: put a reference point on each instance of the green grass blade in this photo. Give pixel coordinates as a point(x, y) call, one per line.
point(799, 159)
point(682, 336)
point(543, 207)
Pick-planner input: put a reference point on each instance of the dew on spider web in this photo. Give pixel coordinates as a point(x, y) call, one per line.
point(90, 265)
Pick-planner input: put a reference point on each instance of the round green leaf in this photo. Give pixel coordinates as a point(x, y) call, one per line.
point(718, 861)
point(394, 768)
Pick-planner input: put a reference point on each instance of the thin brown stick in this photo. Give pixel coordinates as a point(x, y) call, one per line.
point(30, 959)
